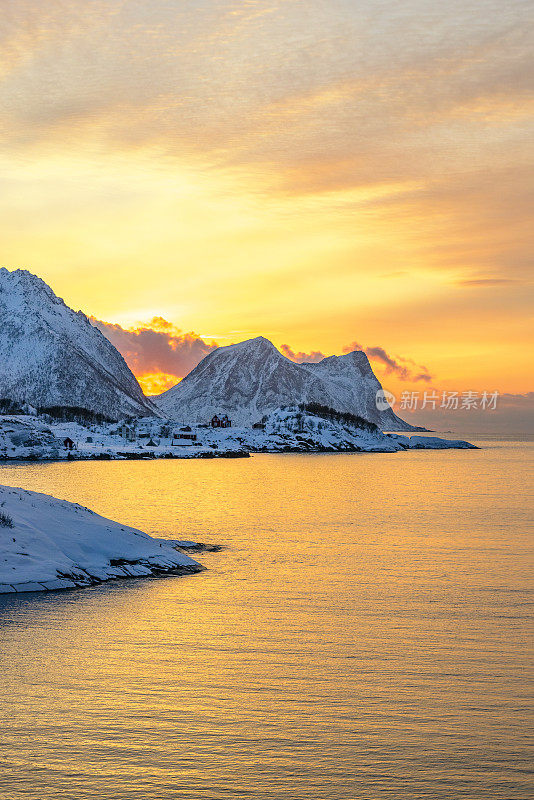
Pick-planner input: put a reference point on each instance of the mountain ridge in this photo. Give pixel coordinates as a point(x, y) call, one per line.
point(52, 355)
point(251, 378)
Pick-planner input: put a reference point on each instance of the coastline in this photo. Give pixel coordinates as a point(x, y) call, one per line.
point(47, 544)
point(35, 439)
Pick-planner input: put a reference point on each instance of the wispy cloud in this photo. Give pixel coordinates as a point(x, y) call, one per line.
point(486, 282)
point(297, 149)
point(356, 98)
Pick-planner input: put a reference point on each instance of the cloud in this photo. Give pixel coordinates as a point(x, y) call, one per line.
point(160, 354)
point(349, 348)
point(486, 282)
point(379, 354)
point(363, 95)
point(314, 355)
point(358, 91)
point(517, 401)
point(394, 365)
point(514, 413)
point(157, 349)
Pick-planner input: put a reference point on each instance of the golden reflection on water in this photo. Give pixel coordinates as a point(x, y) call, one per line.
point(363, 636)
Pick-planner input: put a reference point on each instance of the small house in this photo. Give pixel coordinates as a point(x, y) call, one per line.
point(220, 422)
point(127, 432)
point(183, 438)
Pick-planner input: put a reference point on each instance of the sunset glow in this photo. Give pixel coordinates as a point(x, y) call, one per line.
point(156, 383)
point(226, 167)
point(266, 399)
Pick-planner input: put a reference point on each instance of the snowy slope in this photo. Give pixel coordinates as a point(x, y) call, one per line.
point(353, 387)
point(252, 378)
point(52, 544)
point(51, 355)
point(33, 438)
point(297, 430)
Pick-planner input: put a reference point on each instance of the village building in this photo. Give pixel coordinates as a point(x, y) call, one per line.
point(220, 422)
point(127, 432)
point(183, 438)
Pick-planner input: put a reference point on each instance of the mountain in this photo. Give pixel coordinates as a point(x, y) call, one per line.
point(252, 378)
point(51, 355)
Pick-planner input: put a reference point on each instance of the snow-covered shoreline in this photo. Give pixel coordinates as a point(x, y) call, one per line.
point(49, 544)
point(285, 430)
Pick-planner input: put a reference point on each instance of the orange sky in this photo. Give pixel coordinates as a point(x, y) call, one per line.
point(317, 172)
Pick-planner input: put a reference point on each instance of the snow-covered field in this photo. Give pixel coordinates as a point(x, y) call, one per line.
point(289, 429)
point(34, 438)
point(48, 544)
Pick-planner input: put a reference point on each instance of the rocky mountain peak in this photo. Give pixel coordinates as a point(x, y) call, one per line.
point(51, 355)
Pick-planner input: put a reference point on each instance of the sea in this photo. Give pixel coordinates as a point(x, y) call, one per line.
point(365, 633)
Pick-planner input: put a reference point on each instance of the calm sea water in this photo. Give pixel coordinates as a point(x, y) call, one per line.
point(365, 635)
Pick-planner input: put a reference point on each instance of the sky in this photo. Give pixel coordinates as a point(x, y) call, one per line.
point(325, 173)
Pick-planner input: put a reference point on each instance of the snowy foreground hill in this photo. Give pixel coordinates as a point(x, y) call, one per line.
point(51, 355)
point(48, 544)
point(252, 378)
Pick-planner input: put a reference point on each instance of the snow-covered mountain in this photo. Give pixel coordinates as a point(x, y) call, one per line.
point(252, 378)
point(51, 355)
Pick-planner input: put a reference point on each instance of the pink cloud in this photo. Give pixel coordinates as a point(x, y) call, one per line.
point(299, 357)
point(158, 347)
point(394, 364)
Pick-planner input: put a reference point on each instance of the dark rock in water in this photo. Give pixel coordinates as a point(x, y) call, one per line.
point(198, 547)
